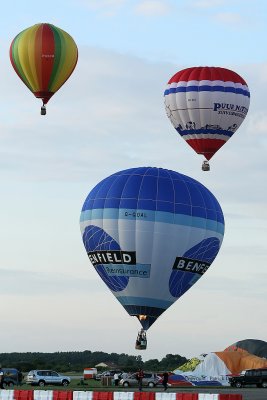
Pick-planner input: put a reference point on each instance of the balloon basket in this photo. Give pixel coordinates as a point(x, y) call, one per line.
point(141, 346)
point(205, 166)
point(141, 341)
point(43, 110)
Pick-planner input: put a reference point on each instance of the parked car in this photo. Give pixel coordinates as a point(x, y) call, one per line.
point(11, 377)
point(46, 377)
point(108, 373)
point(256, 377)
point(150, 379)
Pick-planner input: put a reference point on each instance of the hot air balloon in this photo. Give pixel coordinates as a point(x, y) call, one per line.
point(206, 105)
point(44, 56)
point(150, 234)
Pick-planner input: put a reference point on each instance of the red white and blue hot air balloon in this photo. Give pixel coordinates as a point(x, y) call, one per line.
point(206, 105)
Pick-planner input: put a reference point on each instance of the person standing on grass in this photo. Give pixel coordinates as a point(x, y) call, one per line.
point(1, 378)
point(165, 380)
point(116, 379)
point(139, 377)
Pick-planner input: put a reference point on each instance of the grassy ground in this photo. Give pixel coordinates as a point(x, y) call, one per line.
point(75, 384)
point(91, 385)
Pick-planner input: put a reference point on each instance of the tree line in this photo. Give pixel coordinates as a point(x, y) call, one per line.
point(76, 361)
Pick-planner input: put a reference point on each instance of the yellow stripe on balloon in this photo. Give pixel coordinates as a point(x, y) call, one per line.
point(31, 55)
point(67, 62)
point(26, 53)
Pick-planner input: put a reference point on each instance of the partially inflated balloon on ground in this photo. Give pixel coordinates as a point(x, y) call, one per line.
point(44, 56)
point(150, 234)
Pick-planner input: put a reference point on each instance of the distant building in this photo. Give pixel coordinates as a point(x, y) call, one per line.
point(109, 365)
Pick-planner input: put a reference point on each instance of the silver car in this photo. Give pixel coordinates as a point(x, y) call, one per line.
point(46, 377)
point(150, 379)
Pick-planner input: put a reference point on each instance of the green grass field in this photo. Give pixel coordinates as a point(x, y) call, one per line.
point(92, 385)
point(77, 384)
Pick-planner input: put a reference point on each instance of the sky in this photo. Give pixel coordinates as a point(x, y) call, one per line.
point(110, 116)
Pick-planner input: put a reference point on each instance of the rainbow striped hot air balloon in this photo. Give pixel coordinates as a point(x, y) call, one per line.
point(44, 56)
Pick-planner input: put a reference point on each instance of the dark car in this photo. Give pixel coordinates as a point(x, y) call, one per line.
point(11, 377)
point(256, 377)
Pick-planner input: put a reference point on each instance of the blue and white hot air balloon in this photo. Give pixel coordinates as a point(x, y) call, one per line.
point(150, 233)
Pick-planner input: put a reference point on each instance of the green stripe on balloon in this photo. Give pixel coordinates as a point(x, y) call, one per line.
point(57, 59)
point(16, 61)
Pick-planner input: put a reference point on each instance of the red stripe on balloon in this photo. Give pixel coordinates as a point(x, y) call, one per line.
point(38, 55)
point(44, 95)
point(207, 73)
point(207, 147)
point(47, 56)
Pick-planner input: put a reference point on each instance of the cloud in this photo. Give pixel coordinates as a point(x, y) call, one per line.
point(258, 123)
point(105, 7)
point(118, 100)
point(254, 284)
point(219, 11)
point(229, 18)
point(208, 3)
point(153, 8)
point(39, 283)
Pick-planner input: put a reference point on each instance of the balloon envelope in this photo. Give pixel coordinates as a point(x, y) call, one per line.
point(150, 233)
point(43, 56)
point(252, 346)
point(206, 105)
